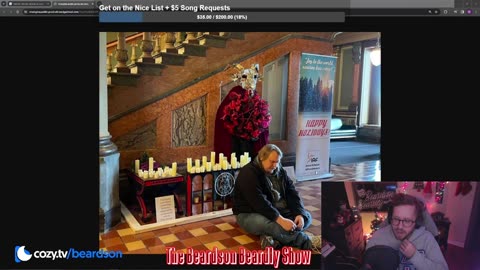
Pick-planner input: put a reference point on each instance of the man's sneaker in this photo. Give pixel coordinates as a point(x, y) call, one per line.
point(267, 241)
point(316, 242)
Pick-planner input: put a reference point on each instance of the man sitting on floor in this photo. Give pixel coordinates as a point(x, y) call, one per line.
point(266, 203)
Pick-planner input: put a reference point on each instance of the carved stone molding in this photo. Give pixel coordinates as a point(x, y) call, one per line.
point(189, 124)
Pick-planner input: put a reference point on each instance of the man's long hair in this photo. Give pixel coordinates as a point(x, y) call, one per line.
point(267, 150)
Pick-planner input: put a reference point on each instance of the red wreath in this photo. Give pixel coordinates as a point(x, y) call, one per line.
point(246, 117)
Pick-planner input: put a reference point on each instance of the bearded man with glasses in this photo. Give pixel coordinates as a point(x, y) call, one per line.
point(406, 233)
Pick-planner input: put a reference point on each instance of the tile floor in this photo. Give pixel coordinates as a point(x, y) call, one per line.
point(223, 232)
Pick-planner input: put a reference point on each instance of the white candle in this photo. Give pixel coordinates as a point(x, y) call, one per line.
point(209, 166)
point(204, 161)
point(189, 164)
point(234, 162)
point(220, 158)
point(197, 163)
point(174, 168)
point(197, 169)
point(232, 156)
point(150, 164)
point(224, 164)
point(137, 165)
point(212, 157)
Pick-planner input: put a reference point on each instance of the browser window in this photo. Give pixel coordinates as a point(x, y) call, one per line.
point(350, 91)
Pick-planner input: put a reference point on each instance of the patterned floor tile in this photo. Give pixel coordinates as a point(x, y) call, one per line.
point(160, 249)
point(151, 242)
point(225, 226)
point(126, 231)
point(176, 229)
point(215, 244)
point(183, 235)
point(190, 242)
point(112, 242)
point(229, 242)
point(109, 235)
point(176, 244)
point(243, 239)
point(234, 232)
point(120, 247)
point(135, 245)
point(139, 251)
point(168, 238)
point(161, 232)
point(198, 232)
point(211, 229)
point(224, 232)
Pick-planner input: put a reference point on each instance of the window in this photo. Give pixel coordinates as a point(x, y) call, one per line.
point(275, 80)
point(344, 87)
point(371, 85)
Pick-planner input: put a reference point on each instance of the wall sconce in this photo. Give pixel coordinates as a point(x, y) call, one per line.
point(375, 55)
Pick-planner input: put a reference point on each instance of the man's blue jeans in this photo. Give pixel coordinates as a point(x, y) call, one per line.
point(258, 224)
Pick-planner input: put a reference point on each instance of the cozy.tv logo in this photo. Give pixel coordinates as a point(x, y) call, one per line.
point(21, 254)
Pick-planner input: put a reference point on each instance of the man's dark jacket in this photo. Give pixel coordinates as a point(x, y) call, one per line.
point(252, 193)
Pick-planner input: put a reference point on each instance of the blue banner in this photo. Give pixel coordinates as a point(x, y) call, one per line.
point(317, 81)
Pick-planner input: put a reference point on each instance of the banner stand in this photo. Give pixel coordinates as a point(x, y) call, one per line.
point(317, 74)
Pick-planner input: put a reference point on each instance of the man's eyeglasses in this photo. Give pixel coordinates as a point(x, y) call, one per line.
point(406, 222)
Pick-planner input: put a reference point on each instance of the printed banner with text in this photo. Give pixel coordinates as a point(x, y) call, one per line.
point(317, 80)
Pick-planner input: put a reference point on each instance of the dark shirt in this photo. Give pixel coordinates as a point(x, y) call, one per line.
point(253, 193)
point(275, 182)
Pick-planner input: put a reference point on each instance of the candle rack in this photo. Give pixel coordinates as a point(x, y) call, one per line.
point(210, 191)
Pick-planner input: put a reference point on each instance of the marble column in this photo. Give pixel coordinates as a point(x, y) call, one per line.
point(109, 157)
